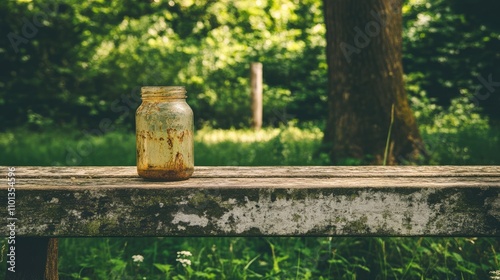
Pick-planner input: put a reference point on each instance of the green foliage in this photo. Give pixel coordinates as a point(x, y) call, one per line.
point(279, 258)
point(413, 258)
point(83, 68)
point(97, 55)
point(87, 60)
point(450, 48)
point(457, 135)
point(26, 148)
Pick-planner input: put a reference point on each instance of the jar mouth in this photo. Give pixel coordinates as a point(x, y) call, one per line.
point(163, 92)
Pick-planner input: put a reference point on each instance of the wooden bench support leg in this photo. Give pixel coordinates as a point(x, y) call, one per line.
point(36, 259)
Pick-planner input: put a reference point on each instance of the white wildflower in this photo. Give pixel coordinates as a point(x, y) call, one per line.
point(184, 262)
point(495, 275)
point(184, 254)
point(138, 258)
point(182, 258)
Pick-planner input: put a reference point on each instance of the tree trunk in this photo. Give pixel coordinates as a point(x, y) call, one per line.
point(365, 79)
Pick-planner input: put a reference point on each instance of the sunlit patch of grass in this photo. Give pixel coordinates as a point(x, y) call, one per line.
point(208, 135)
point(268, 146)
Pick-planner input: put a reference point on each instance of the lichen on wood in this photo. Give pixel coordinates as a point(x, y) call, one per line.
point(391, 201)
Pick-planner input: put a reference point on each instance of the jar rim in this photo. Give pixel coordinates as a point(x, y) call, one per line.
point(163, 91)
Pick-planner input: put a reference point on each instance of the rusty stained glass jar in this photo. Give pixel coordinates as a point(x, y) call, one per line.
point(164, 134)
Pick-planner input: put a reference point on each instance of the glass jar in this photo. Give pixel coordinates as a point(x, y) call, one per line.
point(164, 134)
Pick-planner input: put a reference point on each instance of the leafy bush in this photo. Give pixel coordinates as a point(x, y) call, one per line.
point(457, 135)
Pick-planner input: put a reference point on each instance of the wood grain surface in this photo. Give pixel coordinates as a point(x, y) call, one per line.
point(249, 201)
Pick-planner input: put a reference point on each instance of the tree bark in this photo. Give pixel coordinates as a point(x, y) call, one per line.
point(365, 79)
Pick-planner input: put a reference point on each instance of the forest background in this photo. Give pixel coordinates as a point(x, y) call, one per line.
point(71, 73)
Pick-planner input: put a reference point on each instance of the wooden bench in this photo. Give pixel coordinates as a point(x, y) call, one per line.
point(53, 202)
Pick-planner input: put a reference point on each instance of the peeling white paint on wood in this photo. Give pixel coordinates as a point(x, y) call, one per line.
point(364, 201)
point(301, 216)
point(189, 219)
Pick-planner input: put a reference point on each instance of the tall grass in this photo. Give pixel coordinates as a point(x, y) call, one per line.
point(280, 258)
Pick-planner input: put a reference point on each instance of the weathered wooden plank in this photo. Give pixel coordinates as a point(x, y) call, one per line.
point(264, 182)
point(464, 201)
point(268, 171)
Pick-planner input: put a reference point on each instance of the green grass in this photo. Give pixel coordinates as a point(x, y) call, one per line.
point(469, 146)
point(466, 145)
point(280, 258)
point(270, 146)
point(261, 258)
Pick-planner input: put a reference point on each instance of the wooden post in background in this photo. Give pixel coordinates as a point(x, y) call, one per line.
point(256, 93)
